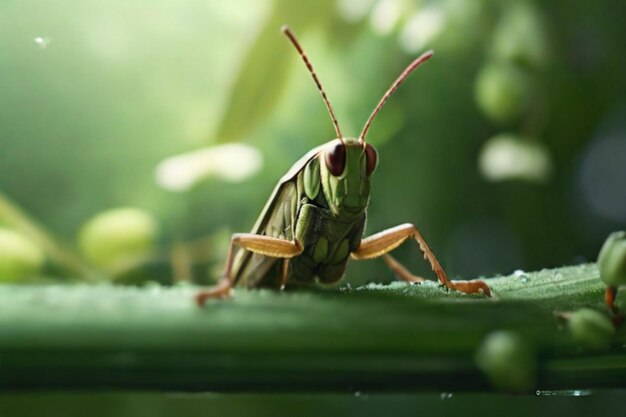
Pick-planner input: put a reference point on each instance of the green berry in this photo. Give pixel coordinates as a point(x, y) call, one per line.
point(507, 361)
point(612, 260)
point(502, 91)
point(591, 328)
point(118, 237)
point(19, 257)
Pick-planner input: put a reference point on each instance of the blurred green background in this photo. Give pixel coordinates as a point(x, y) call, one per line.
point(507, 150)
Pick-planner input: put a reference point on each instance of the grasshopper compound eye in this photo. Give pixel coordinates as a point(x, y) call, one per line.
point(371, 159)
point(335, 158)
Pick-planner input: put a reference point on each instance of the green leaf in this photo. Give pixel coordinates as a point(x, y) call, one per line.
point(263, 73)
point(14, 217)
point(378, 337)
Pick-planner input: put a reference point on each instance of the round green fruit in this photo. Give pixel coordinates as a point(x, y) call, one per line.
point(612, 260)
point(118, 237)
point(502, 91)
point(19, 257)
point(591, 328)
point(507, 361)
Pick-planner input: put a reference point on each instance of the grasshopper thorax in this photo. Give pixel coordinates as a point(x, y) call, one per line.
point(345, 168)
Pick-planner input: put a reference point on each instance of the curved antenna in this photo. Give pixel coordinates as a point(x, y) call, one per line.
point(285, 29)
point(413, 65)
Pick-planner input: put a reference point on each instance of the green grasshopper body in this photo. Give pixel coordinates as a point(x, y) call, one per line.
point(325, 213)
point(315, 218)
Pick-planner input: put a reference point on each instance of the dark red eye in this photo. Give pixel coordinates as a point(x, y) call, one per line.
point(371, 159)
point(336, 159)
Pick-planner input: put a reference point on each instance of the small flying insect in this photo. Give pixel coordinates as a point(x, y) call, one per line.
point(315, 218)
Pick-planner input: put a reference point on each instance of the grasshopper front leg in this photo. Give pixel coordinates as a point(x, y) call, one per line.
point(383, 242)
point(263, 245)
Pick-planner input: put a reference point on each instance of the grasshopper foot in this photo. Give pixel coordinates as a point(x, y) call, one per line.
point(223, 289)
point(470, 287)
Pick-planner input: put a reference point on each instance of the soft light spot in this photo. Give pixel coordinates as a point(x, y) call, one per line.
point(385, 16)
point(232, 162)
point(354, 10)
point(422, 28)
point(42, 42)
point(508, 156)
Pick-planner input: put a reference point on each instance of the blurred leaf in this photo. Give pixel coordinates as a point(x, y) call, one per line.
point(12, 216)
point(263, 73)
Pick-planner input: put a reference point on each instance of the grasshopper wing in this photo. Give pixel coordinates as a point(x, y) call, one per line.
point(278, 219)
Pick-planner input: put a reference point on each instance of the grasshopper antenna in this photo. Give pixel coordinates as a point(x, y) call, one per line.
point(413, 65)
point(285, 29)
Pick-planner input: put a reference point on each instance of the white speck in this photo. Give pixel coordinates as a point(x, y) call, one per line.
point(233, 162)
point(357, 394)
point(445, 395)
point(42, 42)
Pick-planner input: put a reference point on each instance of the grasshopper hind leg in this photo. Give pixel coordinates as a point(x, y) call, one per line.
point(400, 271)
point(263, 245)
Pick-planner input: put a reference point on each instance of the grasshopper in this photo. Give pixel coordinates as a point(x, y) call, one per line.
point(315, 218)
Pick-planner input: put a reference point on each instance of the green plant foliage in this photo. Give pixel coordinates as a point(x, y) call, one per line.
point(394, 336)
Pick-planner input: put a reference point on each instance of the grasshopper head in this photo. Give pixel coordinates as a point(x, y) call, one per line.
point(346, 167)
point(347, 163)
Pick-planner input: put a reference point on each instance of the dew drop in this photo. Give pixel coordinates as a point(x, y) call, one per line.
point(523, 276)
point(360, 395)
